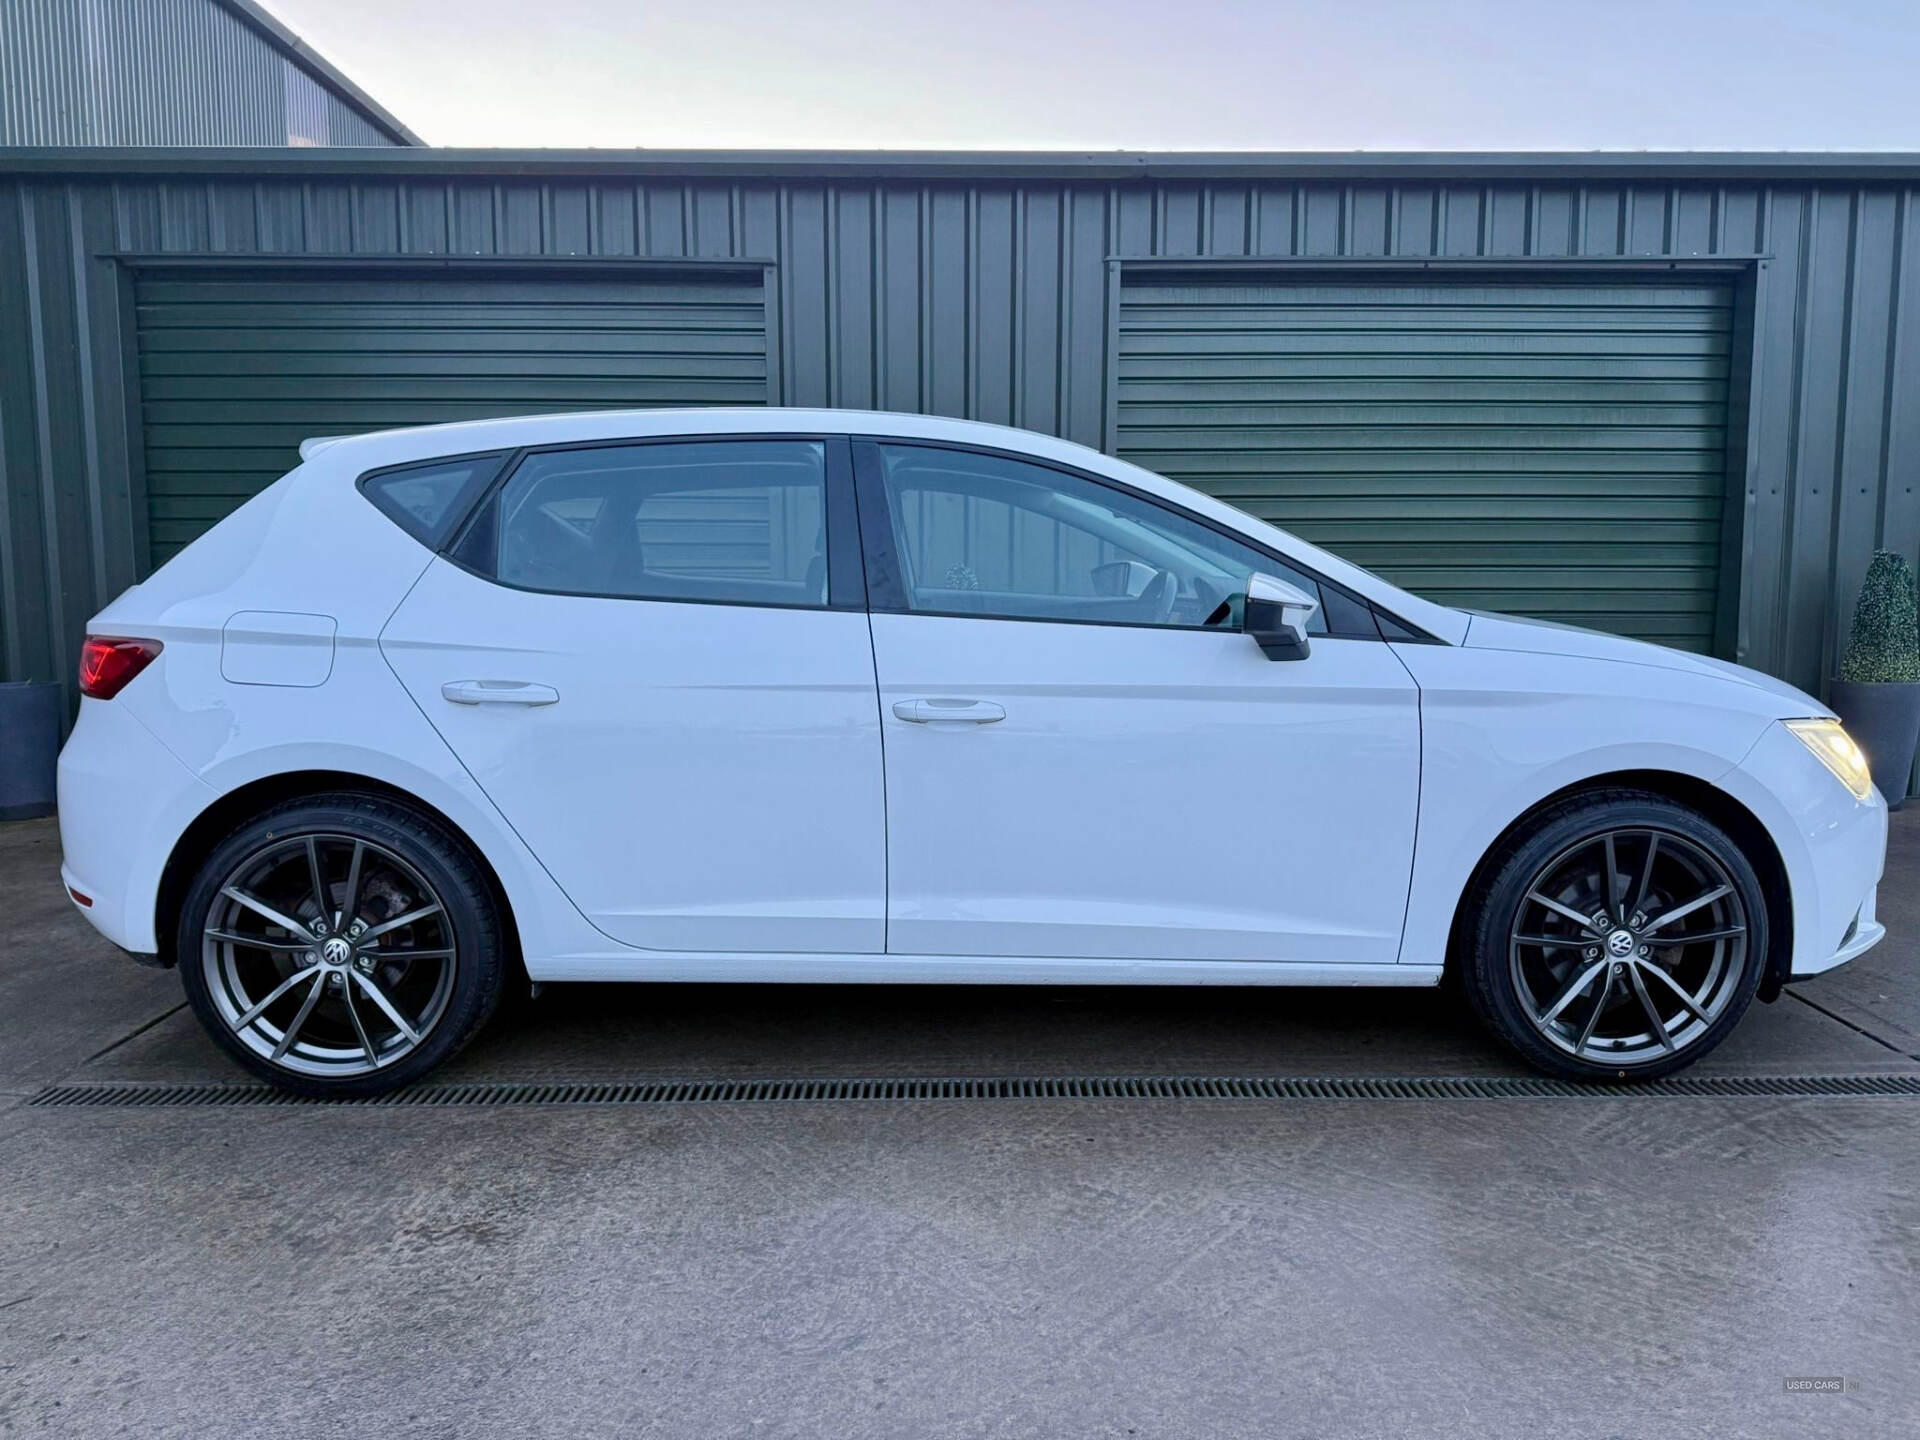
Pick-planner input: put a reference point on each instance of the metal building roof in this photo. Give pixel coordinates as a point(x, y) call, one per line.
point(283, 38)
point(1480, 167)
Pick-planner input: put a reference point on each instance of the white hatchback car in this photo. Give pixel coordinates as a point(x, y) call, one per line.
point(811, 695)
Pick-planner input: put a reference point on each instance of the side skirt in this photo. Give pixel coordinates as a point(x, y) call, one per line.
point(702, 968)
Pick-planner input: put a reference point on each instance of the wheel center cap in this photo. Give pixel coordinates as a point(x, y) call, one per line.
point(1619, 944)
point(336, 951)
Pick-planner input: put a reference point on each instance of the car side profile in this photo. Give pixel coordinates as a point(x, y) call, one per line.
point(809, 695)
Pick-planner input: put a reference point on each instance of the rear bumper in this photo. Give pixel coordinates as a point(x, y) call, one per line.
point(124, 800)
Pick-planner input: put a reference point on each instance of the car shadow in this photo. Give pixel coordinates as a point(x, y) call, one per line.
point(628, 1032)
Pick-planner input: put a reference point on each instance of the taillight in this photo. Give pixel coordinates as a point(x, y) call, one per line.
point(108, 663)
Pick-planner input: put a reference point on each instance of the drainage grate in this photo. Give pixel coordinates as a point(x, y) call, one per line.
point(1051, 1087)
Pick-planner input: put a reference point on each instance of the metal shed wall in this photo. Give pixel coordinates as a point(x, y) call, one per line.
point(170, 72)
point(1555, 448)
point(984, 287)
point(235, 373)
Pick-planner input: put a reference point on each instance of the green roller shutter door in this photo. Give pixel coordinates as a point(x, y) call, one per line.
point(1556, 450)
point(235, 372)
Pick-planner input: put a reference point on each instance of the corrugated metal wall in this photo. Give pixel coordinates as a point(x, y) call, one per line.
point(235, 373)
point(155, 72)
point(993, 300)
point(1550, 448)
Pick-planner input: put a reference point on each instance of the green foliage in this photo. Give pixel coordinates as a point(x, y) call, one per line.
point(1885, 645)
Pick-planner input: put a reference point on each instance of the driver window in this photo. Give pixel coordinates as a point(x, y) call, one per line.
point(986, 535)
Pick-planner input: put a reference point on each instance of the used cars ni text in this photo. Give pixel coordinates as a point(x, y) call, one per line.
point(806, 695)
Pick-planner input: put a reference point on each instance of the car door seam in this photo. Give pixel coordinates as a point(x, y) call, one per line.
point(886, 823)
point(479, 790)
point(1419, 795)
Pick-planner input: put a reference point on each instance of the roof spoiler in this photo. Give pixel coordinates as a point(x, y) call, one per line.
point(313, 446)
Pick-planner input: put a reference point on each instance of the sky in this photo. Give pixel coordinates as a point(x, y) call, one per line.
point(1136, 74)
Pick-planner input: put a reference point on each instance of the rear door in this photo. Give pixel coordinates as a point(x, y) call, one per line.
point(654, 658)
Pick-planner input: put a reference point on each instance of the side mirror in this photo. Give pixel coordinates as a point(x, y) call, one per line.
point(1276, 616)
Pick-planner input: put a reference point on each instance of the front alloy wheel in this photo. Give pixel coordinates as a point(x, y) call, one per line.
point(1628, 945)
point(1621, 936)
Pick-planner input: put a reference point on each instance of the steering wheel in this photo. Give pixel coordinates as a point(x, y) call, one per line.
point(1158, 597)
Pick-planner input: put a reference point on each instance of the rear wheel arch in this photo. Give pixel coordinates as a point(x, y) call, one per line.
point(1710, 801)
point(237, 806)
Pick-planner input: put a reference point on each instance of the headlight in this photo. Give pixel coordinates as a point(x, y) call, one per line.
point(1837, 752)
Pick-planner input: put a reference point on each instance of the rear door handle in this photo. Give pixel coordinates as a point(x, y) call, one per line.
point(498, 692)
point(948, 712)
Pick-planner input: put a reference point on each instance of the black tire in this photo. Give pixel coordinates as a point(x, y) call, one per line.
point(411, 859)
point(1513, 983)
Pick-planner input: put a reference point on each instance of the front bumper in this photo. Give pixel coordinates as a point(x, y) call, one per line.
point(1832, 846)
point(1865, 933)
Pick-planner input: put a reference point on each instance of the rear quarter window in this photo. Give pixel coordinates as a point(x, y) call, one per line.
point(429, 499)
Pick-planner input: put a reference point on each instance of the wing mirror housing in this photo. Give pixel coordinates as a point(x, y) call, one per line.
point(1276, 616)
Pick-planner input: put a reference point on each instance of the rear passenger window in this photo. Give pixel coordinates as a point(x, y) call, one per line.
point(740, 521)
point(426, 501)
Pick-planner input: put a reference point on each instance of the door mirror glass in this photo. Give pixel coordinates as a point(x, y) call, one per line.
point(1276, 616)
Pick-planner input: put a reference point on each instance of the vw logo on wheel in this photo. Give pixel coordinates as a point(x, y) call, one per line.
point(1620, 943)
point(336, 951)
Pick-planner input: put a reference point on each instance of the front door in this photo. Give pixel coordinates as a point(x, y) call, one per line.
point(1085, 760)
point(637, 654)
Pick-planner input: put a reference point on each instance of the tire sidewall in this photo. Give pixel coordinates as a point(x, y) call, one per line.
point(1489, 979)
point(478, 966)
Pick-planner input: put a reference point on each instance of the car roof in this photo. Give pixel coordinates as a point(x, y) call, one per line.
point(464, 437)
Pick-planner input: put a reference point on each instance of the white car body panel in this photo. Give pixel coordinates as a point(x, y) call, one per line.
point(281, 550)
point(1505, 728)
point(1150, 793)
point(1508, 713)
point(1833, 846)
point(709, 776)
point(1516, 635)
point(113, 852)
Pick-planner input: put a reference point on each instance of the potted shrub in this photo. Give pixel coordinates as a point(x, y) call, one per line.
point(1878, 693)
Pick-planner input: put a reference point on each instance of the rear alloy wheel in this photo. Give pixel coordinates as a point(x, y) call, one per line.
point(1621, 938)
point(340, 946)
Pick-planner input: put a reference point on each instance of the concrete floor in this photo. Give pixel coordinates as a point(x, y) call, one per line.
point(1600, 1267)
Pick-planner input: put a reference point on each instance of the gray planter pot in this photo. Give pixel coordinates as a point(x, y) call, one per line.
point(29, 745)
point(1885, 720)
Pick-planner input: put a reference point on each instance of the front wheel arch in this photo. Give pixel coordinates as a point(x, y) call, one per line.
point(237, 806)
point(1740, 823)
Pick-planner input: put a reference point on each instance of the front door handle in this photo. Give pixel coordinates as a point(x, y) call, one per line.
point(949, 712)
point(498, 692)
